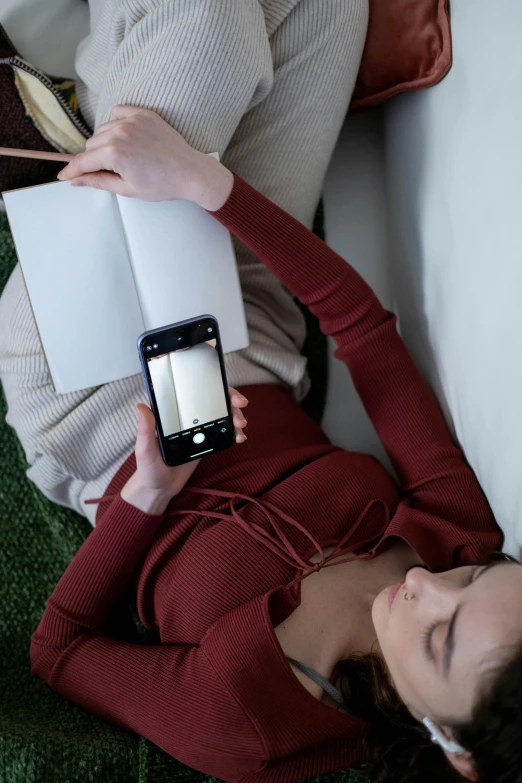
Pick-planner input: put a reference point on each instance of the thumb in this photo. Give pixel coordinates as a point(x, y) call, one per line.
point(146, 442)
point(103, 180)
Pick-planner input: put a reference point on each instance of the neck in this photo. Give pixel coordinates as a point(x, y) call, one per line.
point(373, 577)
point(334, 619)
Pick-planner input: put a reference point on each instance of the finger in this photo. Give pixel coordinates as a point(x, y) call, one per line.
point(105, 126)
point(122, 110)
point(87, 162)
point(236, 398)
point(146, 420)
point(239, 420)
point(104, 180)
point(104, 134)
point(146, 443)
point(239, 424)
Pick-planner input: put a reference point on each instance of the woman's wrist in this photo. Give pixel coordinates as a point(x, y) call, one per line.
point(150, 501)
point(211, 183)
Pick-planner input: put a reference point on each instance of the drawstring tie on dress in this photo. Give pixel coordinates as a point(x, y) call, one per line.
point(274, 538)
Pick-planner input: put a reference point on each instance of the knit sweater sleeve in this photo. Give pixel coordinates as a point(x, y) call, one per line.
point(169, 694)
point(432, 471)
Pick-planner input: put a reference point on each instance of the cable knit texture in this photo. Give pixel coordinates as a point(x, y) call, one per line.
point(267, 85)
point(223, 567)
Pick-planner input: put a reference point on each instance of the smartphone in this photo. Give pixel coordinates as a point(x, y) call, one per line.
point(186, 381)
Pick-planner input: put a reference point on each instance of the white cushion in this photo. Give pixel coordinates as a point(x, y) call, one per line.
point(454, 158)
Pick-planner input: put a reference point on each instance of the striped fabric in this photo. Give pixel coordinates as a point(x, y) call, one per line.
point(267, 85)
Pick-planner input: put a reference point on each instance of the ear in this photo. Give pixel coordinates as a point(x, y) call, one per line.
point(463, 763)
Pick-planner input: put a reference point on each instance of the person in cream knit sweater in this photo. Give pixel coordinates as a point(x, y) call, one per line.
point(266, 84)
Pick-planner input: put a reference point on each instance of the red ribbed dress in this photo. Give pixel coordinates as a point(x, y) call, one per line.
point(214, 575)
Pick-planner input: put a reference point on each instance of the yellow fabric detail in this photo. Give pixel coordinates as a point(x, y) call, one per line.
point(47, 113)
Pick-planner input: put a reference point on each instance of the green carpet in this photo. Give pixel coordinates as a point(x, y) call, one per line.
point(43, 737)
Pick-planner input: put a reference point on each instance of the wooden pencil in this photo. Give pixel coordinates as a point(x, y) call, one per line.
point(15, 153)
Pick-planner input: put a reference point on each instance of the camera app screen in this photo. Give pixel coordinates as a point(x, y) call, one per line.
point(188, 387)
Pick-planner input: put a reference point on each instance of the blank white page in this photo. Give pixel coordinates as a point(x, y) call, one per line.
point(199, 385)
point(184, 266)
point(74, 258)
point(165, 393)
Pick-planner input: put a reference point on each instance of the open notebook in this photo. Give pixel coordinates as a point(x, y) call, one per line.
point(101, 269)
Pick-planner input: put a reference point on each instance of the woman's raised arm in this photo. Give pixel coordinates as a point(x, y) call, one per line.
point(432, 471)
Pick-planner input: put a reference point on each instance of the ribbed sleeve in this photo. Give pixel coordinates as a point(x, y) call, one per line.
point(94, 580)
point(155, 691)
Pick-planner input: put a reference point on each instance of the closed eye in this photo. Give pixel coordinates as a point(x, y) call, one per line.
point(427, 637)
point(428, 633)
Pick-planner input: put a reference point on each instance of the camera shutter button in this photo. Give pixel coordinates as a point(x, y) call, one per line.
point(198, 437)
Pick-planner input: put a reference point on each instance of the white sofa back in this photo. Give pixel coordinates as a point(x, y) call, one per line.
point(454, 171)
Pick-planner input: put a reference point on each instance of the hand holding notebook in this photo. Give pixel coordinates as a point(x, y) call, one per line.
point(100, 269)
point(139, 155)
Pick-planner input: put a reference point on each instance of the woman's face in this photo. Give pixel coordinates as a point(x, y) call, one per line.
point(439, 644)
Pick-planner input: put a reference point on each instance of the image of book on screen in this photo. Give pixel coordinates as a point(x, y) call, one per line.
point(188, 387)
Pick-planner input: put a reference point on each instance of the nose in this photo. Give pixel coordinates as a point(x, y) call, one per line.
point(421, 585)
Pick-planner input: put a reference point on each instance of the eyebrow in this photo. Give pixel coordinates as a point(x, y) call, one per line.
point(449, 642)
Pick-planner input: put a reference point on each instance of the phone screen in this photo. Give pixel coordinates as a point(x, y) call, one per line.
point(186, 376)
point(188, 387)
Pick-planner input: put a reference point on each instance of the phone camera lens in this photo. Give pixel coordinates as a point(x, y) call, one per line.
point(149, 348)
point(209, 329)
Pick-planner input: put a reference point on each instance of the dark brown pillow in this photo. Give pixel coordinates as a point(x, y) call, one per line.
point(408, 47)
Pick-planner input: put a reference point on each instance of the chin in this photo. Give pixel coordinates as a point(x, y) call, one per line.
point(380, 610)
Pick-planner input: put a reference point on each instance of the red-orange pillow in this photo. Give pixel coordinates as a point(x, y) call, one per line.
point(408, 47)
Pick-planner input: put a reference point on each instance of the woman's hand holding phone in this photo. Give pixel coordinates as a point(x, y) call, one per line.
point(154, 484)
point(139, 155)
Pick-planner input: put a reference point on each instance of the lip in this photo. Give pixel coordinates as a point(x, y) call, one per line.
point(393, 593)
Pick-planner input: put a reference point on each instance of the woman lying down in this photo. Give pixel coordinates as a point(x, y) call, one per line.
point(311, 613)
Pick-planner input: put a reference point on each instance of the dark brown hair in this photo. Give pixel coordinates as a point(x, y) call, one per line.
point(401, 750)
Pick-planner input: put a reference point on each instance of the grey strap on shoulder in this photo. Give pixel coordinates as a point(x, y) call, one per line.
point(325, 684)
